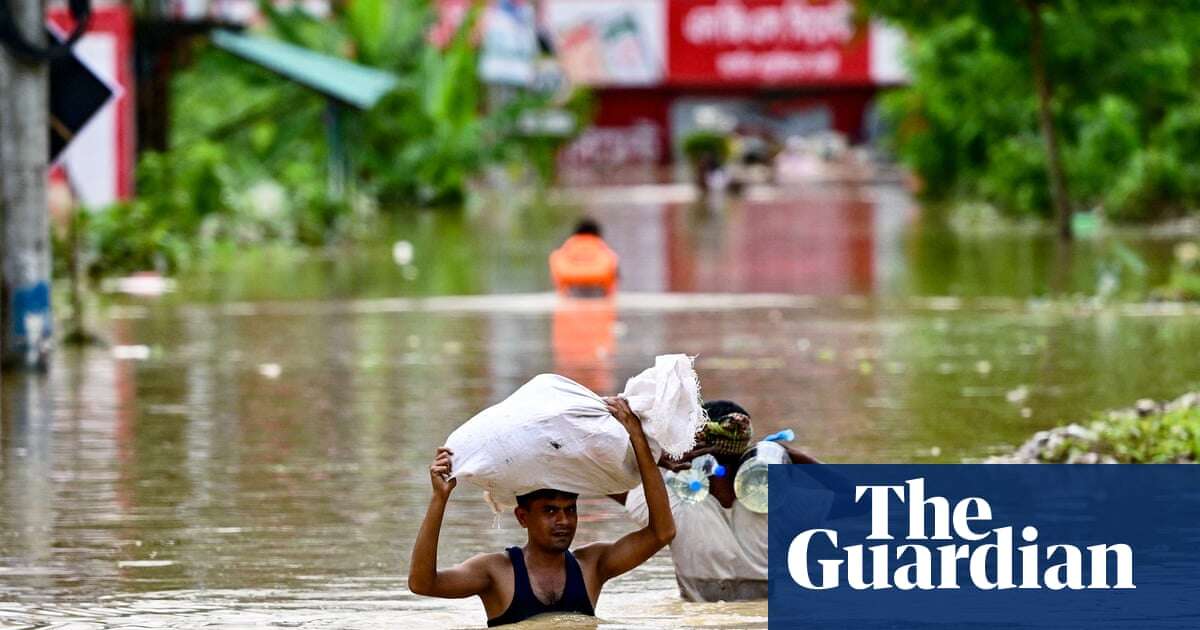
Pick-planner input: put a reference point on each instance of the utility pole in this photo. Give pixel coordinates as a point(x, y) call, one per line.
point(25, 317)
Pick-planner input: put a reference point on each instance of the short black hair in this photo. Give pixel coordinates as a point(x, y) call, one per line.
point(717, 409)
point(587, 226)
point(545, 493)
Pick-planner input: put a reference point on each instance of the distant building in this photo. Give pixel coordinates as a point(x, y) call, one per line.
point(661, 68)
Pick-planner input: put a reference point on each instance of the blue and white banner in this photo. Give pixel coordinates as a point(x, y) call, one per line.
point(993, 546)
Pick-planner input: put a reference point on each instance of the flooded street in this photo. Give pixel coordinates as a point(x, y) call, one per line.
point(253, 450)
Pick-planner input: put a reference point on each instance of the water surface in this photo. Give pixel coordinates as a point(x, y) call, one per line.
point(252, 450)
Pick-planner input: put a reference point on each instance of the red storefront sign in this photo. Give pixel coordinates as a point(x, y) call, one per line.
point(766, 42)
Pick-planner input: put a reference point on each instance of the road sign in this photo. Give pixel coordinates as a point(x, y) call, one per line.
point(76, 95)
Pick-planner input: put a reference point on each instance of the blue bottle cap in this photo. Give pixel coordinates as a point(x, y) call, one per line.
point(786, 435)
point(719, 471)
point(695, 485)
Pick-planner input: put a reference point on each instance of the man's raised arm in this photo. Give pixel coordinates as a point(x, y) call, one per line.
point(467, 579)
point(637, 547)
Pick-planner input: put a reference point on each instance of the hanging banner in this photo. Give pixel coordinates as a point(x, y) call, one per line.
point(608, 42)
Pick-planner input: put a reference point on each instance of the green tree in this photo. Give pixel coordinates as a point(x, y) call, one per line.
point(248, 151)
point(1011, 99)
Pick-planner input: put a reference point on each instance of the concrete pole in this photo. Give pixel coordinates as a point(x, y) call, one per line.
point(24, 151)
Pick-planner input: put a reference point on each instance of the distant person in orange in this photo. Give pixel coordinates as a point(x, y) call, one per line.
point(584, 266)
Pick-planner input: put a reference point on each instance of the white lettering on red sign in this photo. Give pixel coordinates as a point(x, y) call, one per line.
point(790, 22)
point(778, 65)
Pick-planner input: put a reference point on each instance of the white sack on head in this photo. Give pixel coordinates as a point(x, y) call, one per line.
point(667, 397)
point(555, 433)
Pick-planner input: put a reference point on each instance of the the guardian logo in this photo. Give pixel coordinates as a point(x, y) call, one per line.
point(965, 559)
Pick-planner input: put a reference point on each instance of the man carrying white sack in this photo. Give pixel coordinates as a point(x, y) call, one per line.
point(720, 553)
point(543, 576)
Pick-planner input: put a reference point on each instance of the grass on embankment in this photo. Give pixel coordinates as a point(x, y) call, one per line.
point(1148, 434)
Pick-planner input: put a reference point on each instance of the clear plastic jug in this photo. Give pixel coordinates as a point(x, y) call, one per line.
point(691, 485)
point(750, 484)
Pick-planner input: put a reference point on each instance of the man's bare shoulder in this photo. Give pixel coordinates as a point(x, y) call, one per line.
point(495, 559)
point(589, 552)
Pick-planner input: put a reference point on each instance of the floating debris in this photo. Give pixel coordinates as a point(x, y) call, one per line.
point(1018, 395)
point(826, 355)
point(270, 370)
point(983, 367)
point(866, 368)
point(402, 253)
point(131, 353)
point(140, 564)
point(944, 304)
point(146, 284)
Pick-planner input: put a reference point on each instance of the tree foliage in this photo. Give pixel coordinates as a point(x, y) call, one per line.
point(1125, 102)
point(249, 150)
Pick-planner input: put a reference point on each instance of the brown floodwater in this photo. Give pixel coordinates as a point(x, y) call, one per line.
point(252, 450)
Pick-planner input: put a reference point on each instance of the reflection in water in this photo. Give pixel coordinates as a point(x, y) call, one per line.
point(823, 240)
point(826, 248)
point(192, 487)
point(26, 514)
point(583, 342)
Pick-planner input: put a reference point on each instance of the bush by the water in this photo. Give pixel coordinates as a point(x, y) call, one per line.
point(1125, 104)
point(1184, 282)
point(1149, 433)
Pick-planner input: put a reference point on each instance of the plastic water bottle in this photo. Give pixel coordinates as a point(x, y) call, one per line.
point(750, 484)
point(691, 485)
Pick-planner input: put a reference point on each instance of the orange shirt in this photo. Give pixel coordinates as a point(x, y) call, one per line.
point(584, 260)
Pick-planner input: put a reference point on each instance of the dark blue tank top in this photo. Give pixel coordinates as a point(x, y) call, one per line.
point(525, 604)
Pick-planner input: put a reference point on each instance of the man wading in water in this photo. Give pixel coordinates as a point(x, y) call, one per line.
point(543, 576)
point(720, 553)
